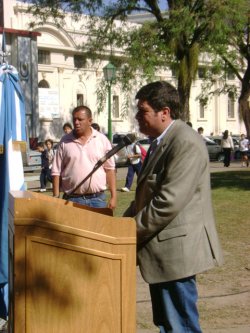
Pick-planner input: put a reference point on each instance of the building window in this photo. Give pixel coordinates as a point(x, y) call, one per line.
point(43, 57)
point(231, 110)
point(230, 75)
point(79, 61)
point(174, 72)
point(201, 72)
point(202, 110)
point(79, 99)
point(115, 108)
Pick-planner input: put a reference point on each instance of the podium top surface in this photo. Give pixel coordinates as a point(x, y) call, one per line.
point(34, 209)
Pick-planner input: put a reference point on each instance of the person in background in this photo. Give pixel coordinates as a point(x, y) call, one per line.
point(96, 126)
point(200, 130)
point(41, 149)
point(135, 163)
point(244, 147)
point(76, 156)
point(67, 128)
point(47, 156)
point(176, 232)
point(227, 147)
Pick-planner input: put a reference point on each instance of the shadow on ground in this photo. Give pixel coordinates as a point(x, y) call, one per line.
point(231, 179)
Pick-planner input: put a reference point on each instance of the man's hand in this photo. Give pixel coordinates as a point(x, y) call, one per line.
point(112, 203)
point(111, 182)
point(55, 182)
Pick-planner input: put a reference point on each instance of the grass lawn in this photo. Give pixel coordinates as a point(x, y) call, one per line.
point(231, 200)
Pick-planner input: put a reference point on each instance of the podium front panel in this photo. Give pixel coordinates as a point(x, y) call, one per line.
point(70, 275)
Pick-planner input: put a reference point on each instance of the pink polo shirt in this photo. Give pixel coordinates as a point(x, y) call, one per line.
point(73, 161)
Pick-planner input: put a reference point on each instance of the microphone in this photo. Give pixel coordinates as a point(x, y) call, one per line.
point(126, 141)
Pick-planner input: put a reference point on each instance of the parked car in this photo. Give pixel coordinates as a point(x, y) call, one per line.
point(31, 157)
point(31, 160)
point(214, 150)
point(145, 143)
point(121, 159)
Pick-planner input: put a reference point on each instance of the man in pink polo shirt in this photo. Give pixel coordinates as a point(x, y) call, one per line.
point(77, 154)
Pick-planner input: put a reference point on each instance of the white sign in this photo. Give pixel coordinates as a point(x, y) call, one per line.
point(48, 103)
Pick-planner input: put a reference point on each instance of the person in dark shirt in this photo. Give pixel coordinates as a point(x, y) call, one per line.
point(46, 162)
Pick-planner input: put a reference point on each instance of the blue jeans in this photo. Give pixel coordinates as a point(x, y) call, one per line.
point(132, 169)
point(95, 201)
point(174, 306)
point(44, 176)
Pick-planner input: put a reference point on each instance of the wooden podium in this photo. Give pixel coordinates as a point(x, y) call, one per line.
point(72, 270)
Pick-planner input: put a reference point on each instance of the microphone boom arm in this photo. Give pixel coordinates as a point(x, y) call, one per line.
point(125, 142)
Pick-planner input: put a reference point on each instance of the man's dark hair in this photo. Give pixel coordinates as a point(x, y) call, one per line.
point(49, 140)
point(96, 126)
point(67, 125)
point(161, 94)
point(40, 145)
point(225, 135)
point(83, 108)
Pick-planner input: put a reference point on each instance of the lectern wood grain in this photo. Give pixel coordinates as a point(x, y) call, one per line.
point(72, 270)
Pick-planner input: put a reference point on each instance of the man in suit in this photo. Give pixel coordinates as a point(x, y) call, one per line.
point(176, 233)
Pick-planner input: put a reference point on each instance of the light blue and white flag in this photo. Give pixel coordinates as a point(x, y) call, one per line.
point(12, 139)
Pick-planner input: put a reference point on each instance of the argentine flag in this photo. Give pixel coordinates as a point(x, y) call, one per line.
point(12, 139)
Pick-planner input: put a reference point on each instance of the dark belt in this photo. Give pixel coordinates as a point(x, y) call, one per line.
point(84, 196)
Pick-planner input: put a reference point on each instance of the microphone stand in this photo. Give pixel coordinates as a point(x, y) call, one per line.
point(125, 142)
point(97, 166)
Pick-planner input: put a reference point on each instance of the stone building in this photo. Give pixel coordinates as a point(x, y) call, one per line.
point(66, 79)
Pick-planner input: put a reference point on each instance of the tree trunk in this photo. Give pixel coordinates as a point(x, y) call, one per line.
point(244, 102)
point(184, 95)
point(188, 64)
point(245, 111)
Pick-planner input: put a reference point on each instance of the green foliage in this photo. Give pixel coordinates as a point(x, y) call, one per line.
point(101, 93)
point(172, 39)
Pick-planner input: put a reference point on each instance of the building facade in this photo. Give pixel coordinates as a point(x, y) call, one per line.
point(66, 79)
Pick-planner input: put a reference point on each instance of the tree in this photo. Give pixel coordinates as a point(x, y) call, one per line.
point(234, 51)
point(174, 36)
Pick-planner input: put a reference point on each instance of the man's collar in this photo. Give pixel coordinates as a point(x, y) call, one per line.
point(160, 137)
